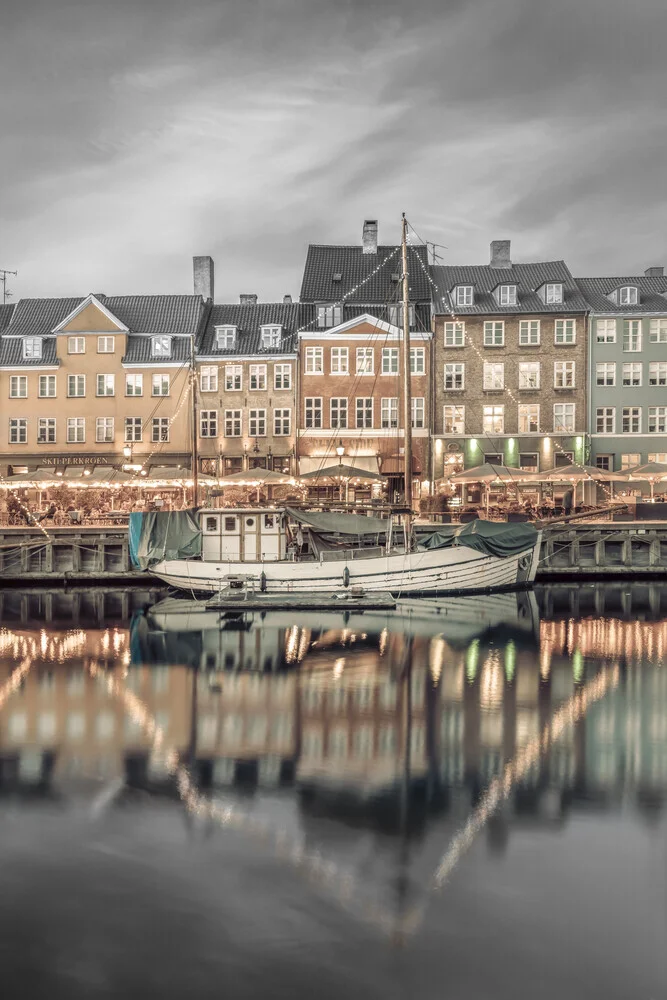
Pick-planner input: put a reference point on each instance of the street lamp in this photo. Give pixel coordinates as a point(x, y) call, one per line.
point(127, 451)
point(340, 451)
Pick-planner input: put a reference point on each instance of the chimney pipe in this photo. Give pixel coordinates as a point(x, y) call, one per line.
point(287, 300)
point(369, 239)
point(500, 253)
point(203, 269)
point(248, 299)
point(654, 272)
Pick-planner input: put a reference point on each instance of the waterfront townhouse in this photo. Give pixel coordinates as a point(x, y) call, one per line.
point(350, 358)
point(628, 370)
point(246, 366)
point(510, 365)
point(97, 380)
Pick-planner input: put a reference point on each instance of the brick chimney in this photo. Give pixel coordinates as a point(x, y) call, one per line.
point(287, 300)
point(248, 299)
point(203, 270)
point(654, 272)
point(369, 238)
point(500, 253)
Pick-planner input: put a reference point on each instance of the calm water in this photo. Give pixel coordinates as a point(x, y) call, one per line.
point(465, 799)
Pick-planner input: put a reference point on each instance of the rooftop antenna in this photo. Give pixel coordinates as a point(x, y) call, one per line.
point(4, 274)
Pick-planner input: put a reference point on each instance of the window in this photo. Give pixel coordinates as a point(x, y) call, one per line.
point(418, 411)
point(389, 360)
point(46, 430)
point(161, 347)
point(364, 411)
point(658, 331)
point(529, 418)
point(76, 430)
point(553, 293)
point(605, 419)
point(632, 373)
point(47, 385)
point(233, 378)
point(493, 419)
point(314, 360)
point(160, 429)
point(160, 385)
point(105, 385)
point(464, 295)
point(632, 419)
point(339, 361)
point(605, 331)
point(632, 335)
point(313, 410)
point(529, 332)
point(627, 295)
point(494, 333)
point(208, 423)
point(208, 378)
point(104, 430)
point(329, 315)
point(631, 459)
point(494, 375)
point(507, 295)
point(455, 334)
point(18, 386)
point(564, 375)
point(225, 338)
point(76, 345)
point(18, 430)
point(529, 461)
point(657, 419)
point(659, 456)
point(454, 376)
point(76, 385)
point(106, 345)
point(453, 419)
point(257, 423)
point(233, 423)
point(282, 377)
point(389, 412)
point(134, 385)
point(133, 430)
point(339, 412)
point(604, 462)
point(657, 373)
point(605, 373)
point(282, 420)
point(564, 418)
point(32, 347)
point(270, 336)
point(566, 331)
point(257, 375)
point(529, 375)
point(395, 314)
point(417, 361)
point(365, 360)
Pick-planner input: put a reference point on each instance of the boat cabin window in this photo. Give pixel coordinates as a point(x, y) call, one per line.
point(230, 524)
point(269, 520)
point(211, 524)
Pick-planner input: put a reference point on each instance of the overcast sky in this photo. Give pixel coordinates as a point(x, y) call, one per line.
point(136, 133)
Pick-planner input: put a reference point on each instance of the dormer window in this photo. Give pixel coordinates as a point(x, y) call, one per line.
point(464, 295)
point(161, 347)
point(271, 336)
point(627, 295)
point(507, 295)
point(32, 347)
point(329, 315)
point(553, 293)
point(225, 338)
point(395, 314)
point(337, 276)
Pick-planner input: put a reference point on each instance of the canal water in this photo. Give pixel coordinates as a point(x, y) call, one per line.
point(462, 798)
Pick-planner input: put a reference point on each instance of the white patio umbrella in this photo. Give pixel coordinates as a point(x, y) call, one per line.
point(651, 473)
point(256, 478)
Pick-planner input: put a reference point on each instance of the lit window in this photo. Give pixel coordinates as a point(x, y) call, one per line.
point(455, 334)
point(658, 456)
point(529, 332)
point(632, 459)
point(529, 375)
point(494, 333)
point(605, 419)
point(529, 418)
point(257, 377)
point(134, 385)
point(632, 419)
point(493, 419)
point(453, 419)
point(494, 375)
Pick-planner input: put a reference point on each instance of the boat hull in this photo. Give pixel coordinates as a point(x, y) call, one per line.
point(452, 570)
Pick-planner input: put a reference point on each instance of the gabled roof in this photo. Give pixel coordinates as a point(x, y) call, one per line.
point(527, 277)
point(248, 318)
point(157, 314)
point(98, 304)
point(350, 323)
point(5, 315)
point(652, 294)
point(353, 266)
point(38, 317)
point(308, 315)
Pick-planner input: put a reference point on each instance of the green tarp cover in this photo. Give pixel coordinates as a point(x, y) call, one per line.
point(169, 534)
point(490, 537)
point(442, 538)
point(340, 524)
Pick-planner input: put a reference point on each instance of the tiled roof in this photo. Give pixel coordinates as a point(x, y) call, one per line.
point(248, 319)
point(38, 317)
point(139, 351)
point(323, 262)
point(11, 353)
point(652, 294)
point(155, 314)
point(527, 277)
point(5, 315)
point(308, 315)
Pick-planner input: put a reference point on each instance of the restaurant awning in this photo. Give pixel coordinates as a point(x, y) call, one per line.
point(394, 465)
point(311, 463)
point(341, 471)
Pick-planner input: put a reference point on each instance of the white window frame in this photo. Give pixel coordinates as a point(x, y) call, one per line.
point(361, 405)
point(417, 361)
point(158, 381)
point(314, 361)
point(453, 422)
point(46, 430)
point(630, 460)
point(77, 381)
point(527, 414)
point(48, 382)
point(553, 293)
point(338, 405)
point(365, 361)
point(530, 375)
point(257, 422)
point(390, 361)
point(134, 384)
point(493, 418)
point(159, 426)
point(464, 295)
point(106, 344)
point(282, 377)
point(454, 334)
point(657, 420)
point(312, 410)
point(161, 346)
point(628, 295)
point(456, 370)
point(233, 423)
point(507, 295)
point(339, 361)
point(418, 404)
point(225, 338)
point(632, 415)
point(632, 336)
point(76, 345)
point(270, 336)
point(564, 375)
point(104, 430)
point(529, 332)
point(18, 386)
point(603, 370)
point(76, 430)
point(494, 333)
point(657, 373)
point(257, 378)
point(389, 412)
point(657, 456)
point(208, 378)
point(565, 331)
point(33, 347)
point(493, 375)
point(605, 419)
point(133, 426)
point(18, 430)
point(605, 330)
point(208, 423)
point(233, 378)
point(105, 385)
point(561, 424)
point(329, 314)
point(282, 422)
point(658, 330)
point(632, 374)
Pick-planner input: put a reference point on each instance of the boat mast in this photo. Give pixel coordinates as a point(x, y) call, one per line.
point(195, 455)
point(407, 390)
